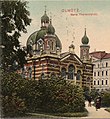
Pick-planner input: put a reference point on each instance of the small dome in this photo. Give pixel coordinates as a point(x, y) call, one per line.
point(45, 18)
point(50, 29)
point(85, 39)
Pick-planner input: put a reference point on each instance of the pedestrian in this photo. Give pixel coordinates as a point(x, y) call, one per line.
point(98, 103)
point(89, 101)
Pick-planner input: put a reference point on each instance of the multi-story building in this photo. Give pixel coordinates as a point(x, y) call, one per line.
point(101, 70)
point(45, 59)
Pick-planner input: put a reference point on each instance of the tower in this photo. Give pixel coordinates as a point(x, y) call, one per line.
point(44, 20)
point(84, 48)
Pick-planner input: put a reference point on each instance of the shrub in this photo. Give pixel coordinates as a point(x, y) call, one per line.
point(13, 106)
point(13, 91)
point(106, 99)
point(58, 95)
point(53, 95)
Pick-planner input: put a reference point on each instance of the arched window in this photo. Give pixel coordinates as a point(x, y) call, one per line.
point(53, 75)
point(78, 77)
point(42, 76)
point(63, 72)
point(71, 70)
point(88, 79)
point(30, 72)
point(52, 46)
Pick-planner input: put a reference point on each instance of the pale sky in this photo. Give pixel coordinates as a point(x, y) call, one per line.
point(96, 20)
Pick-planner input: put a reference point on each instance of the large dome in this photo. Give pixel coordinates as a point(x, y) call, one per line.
point(34, 37)
point(37, 38)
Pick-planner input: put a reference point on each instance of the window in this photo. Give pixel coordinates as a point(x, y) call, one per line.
point(71, 72)
point(42, 76)
point(98, 73)
point(94, 82)
point(94, 73)
point(30, 72)
point(63, 72)
point(106, 64)
point(106, 82)
point(102, 73)
point(106, 73)
point(88, 79)
point(102, 65)
point(98, 82)
point(102, 82)
point(78, 75)
point(53, 75)
point(52, 46)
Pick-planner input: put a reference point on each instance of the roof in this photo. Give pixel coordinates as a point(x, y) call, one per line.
point(66, 54)
point(100, 55)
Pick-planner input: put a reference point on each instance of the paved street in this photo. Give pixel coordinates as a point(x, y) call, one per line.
point(101, 113)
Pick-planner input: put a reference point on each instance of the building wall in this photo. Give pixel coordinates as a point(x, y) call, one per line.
point(88, 75)
point(45, 66)
point(101, 74)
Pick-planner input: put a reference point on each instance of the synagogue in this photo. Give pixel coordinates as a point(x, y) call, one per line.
point(45, 57)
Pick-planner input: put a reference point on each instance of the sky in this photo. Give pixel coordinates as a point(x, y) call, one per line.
point(70, 18)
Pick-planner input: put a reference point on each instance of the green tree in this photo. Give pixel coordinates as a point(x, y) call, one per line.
point(58, 95)
point(14, 20)
point(106, 99)
point(13, 90)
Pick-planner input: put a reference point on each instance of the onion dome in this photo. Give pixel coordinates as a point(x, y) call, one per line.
point(45, 18)
point(50, 29)
point(85, 39)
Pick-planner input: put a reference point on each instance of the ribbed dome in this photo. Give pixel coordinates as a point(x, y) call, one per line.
point(85, 39)
point(34, 37)
point(41, 33)
point(45, 18)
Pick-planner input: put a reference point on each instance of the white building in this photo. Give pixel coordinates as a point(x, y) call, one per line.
point(101, 70)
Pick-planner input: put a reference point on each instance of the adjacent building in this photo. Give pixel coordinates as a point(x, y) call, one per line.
point(45, 57)
point(101, 70)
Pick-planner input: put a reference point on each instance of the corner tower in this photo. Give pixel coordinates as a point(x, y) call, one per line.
point(84, 48)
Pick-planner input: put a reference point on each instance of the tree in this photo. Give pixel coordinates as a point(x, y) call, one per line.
point(13, 91)
point(14, 20)
point(105, 99)
point(58, 95)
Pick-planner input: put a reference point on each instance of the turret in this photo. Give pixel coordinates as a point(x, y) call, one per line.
point(84, 48)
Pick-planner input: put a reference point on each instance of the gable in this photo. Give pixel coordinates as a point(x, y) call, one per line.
point(71, 58)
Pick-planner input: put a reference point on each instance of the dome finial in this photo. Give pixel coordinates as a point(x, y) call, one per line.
point(85, 30)
point(50, 18)
point(45, 8)
point(73, 35)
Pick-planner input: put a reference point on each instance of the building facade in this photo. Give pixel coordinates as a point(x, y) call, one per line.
point(101, 70)
point(45, 59)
